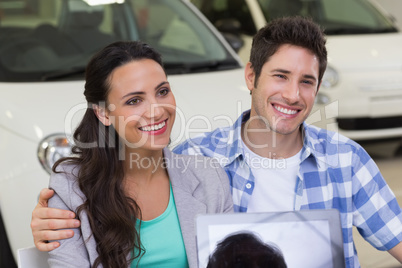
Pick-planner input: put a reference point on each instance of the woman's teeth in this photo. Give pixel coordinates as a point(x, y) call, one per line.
point(153, 127)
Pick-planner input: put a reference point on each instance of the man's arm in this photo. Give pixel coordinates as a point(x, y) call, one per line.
point(396, 252)
point(45, 221)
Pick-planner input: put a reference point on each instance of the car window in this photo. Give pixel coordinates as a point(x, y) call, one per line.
point(337, 17)
point(218, 10)
point(172, 29)
point(53, 39)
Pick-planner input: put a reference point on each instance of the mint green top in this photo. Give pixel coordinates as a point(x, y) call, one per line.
point(162, 239)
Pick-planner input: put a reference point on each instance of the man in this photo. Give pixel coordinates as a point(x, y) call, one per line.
point(275, 161)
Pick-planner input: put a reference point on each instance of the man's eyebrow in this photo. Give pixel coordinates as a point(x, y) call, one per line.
point(308, 76)
point(142, 92)
point(280, 71)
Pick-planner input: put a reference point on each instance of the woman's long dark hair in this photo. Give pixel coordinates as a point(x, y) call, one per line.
point(111, 213)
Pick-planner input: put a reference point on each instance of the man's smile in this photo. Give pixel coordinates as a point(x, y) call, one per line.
point(287, 111)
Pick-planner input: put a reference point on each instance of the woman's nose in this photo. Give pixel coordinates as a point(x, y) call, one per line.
point(155, 110)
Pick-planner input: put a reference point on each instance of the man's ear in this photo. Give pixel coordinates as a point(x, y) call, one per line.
point(101, 114)
point(249, 75)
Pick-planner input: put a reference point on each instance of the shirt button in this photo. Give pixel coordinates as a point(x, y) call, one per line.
point(248, 185)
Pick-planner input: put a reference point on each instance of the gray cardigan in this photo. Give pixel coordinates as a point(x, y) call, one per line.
point(199, 185)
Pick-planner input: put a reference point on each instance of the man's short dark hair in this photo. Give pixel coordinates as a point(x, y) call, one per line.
point(297, 31)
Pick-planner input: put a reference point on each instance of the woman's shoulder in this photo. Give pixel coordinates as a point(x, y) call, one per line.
point(67, 168)
point(194, 169)
point(204, 179)
point(195, 163)
point(65, 179)
point(65, 171)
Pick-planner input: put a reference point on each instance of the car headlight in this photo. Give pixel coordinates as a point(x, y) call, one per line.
point(330, 78)
point(52, 148)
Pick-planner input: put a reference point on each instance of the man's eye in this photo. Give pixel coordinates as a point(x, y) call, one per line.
point(307, 82)
point(280, 76)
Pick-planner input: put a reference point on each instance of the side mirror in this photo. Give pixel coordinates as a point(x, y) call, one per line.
point(234, 41)
point(232, 26)
point(231, 30)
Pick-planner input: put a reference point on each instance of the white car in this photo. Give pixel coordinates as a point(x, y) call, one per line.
point(361, 95)
point(44, 47)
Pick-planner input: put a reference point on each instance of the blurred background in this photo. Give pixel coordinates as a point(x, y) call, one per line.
point(45, 45)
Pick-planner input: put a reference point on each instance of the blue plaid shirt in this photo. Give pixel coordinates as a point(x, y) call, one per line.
point(335, 172)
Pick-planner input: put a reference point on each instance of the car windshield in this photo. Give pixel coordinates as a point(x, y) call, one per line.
point(44, 40)
point(335, 16)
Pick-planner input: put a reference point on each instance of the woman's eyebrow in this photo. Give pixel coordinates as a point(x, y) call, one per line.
point(133, 93)
point(142, 92)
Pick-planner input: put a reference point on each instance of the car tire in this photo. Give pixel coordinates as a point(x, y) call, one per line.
point(6, 256)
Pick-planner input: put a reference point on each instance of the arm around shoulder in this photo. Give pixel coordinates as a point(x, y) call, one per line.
point(72, 252)
point(46, 220)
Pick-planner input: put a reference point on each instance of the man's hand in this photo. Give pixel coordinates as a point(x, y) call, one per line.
point(45, 222)
point(396, 252)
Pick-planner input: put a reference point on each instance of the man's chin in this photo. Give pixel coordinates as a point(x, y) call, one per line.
point(285, 131)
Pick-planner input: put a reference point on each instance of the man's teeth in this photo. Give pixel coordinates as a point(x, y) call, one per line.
point(284, 110)
point(154, 127)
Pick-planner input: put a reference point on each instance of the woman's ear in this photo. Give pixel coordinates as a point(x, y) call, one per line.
point(249, 76)
point(101, 114)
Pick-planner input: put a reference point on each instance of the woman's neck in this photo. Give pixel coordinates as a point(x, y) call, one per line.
point(142, 165)
point(146, 181)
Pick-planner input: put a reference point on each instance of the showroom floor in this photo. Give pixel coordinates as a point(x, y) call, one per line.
point(369, 257)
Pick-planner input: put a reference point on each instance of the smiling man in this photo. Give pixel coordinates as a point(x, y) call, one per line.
point(275, 161)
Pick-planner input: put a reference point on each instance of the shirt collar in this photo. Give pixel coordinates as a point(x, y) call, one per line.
point(235, 145)
point(309, 139)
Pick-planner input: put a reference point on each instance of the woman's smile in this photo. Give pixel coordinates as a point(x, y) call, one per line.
point(155, 129)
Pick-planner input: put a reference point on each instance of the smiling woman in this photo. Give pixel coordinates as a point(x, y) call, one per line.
point(45, 46)
point(143, 104)
point(129, 189)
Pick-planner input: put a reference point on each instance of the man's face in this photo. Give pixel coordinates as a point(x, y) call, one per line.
point(285, 91)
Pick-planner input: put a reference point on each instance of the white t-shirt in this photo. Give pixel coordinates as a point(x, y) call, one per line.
point(275, 182)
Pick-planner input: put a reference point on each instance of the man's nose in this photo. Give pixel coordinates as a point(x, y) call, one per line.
point(292, 92)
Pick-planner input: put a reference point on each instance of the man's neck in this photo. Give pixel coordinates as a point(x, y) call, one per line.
point(270, 144)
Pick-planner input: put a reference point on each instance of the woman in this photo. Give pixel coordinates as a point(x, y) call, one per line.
point(136, 200)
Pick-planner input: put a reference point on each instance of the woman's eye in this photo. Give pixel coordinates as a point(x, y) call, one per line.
point(133, 101)
point(163, 91)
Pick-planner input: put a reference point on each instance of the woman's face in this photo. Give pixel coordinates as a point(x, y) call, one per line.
point(141, 105)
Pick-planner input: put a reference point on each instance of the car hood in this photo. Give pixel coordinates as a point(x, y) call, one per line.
point(34, 110)
point(204, 102)
point(369, 51)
